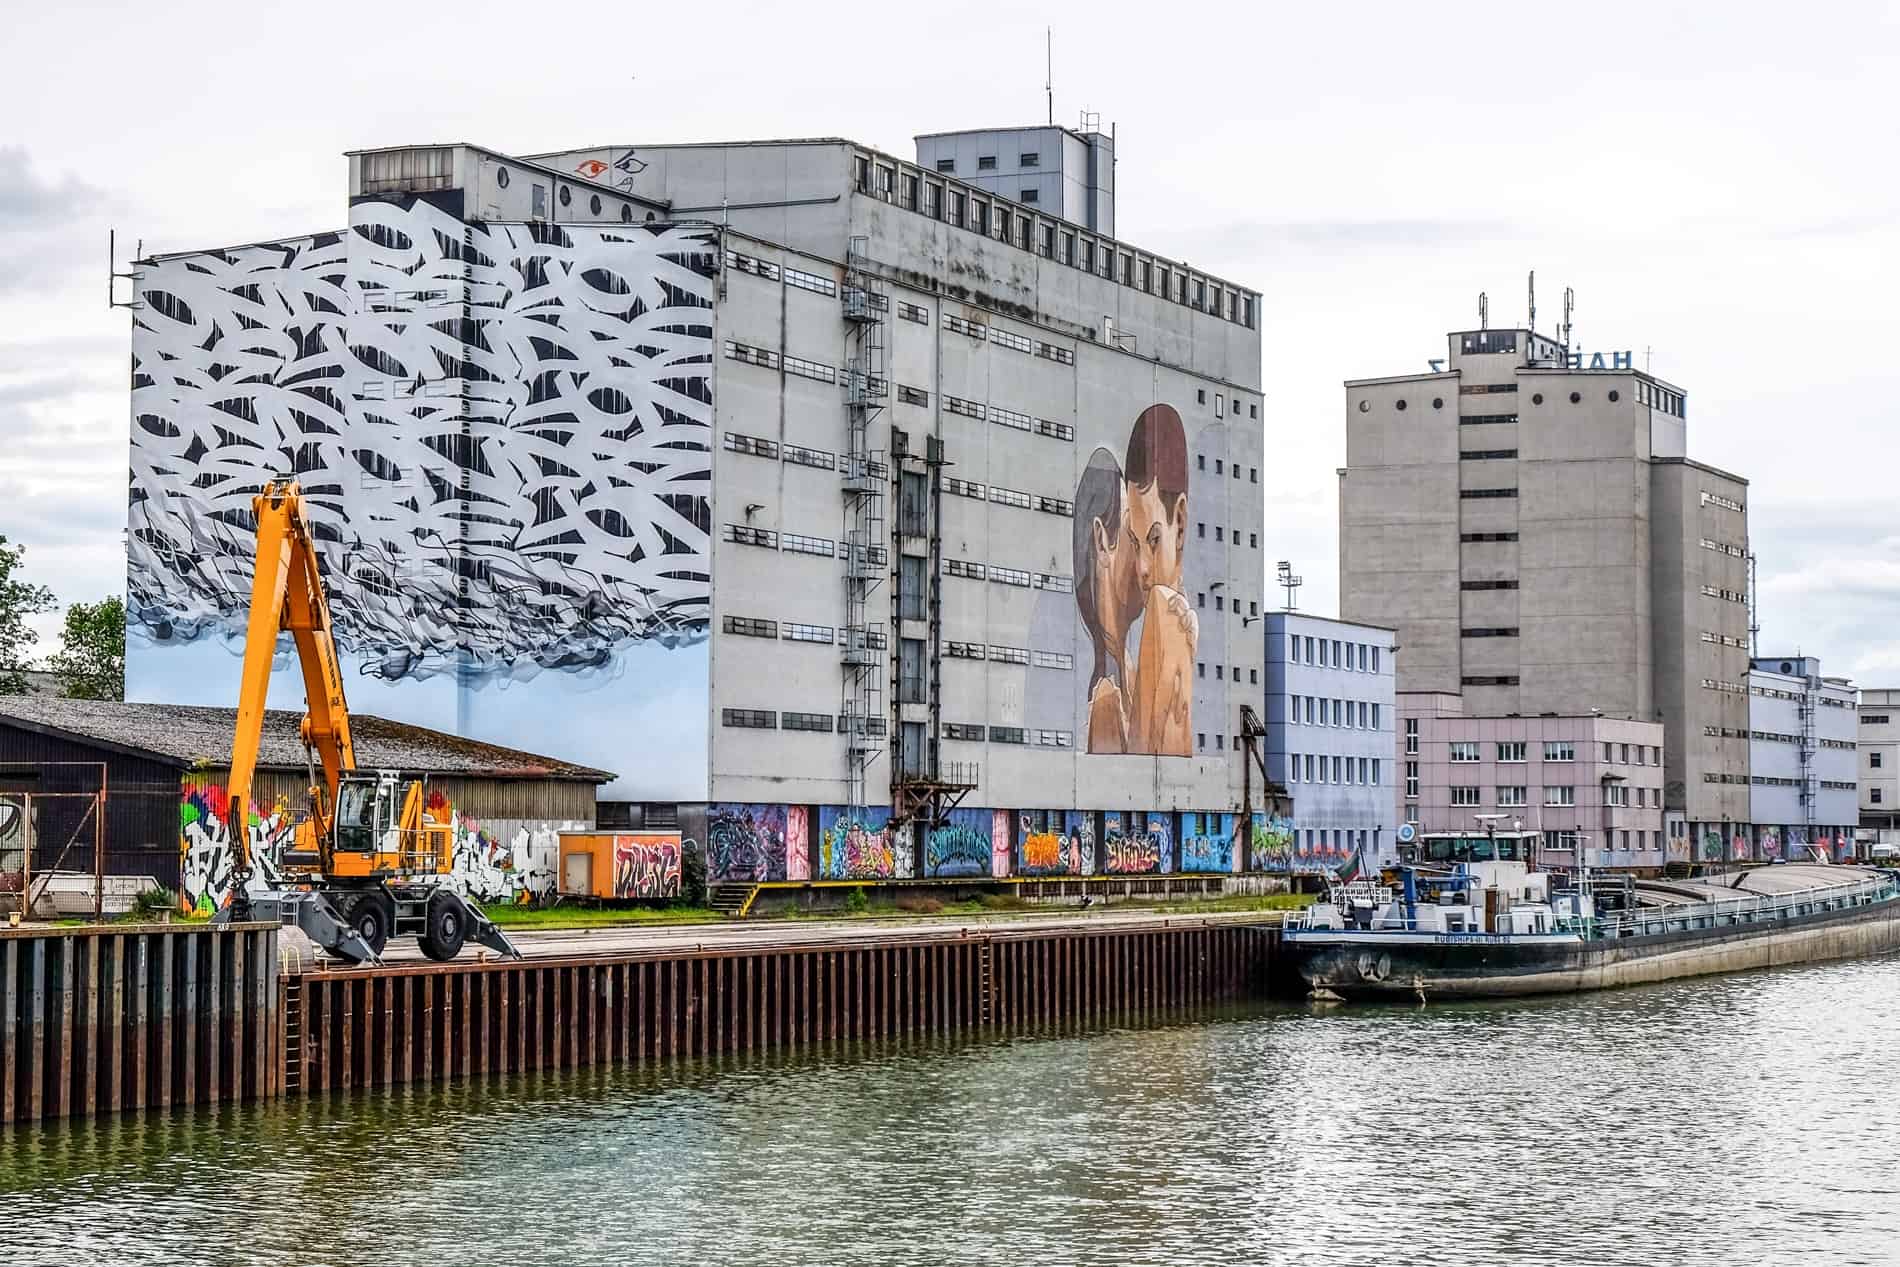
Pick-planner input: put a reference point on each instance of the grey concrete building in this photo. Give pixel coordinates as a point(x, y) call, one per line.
point(1066, 172)
point(1527, 517)
point(1329, 719)
point(1803, 788)
point(813, 490)
point(1878, 739)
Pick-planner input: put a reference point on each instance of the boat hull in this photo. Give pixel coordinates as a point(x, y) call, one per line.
point(1406, 965)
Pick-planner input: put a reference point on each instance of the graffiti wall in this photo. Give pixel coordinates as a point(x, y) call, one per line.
point(859, 845)
point(1270, 844)
point(1053, 843)
point(1136, 844)
point(207, 859)
point(1769, 842)
point(960, 848)
point(558, 377)
point(646, 866)
point(1138, 630)
point(747, 844)
point(1208, 842)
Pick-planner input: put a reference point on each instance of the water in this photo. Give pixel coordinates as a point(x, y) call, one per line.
point(1743, 1119)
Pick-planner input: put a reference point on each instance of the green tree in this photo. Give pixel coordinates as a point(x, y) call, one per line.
point(91, 663)
point(18, 601)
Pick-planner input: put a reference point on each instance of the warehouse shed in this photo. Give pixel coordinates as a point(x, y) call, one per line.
point(163, 768)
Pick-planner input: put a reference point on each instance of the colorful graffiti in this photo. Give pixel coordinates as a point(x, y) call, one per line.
point(1711, 846)
point(859, 845)
point(961, 847)
point(1738, 847)
point(1128, 850)
point(1001, 842)
point(797, 843)
point(1207, 843)
point(1052, 843)
point(1770, 842)
point(748, 843)
point(646, 866)
point(205, 845)
point(1271, 846)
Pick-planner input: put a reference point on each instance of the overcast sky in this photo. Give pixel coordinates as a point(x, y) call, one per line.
point(1717, 183)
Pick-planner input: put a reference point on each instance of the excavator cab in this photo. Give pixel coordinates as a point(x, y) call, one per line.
point(366, 811)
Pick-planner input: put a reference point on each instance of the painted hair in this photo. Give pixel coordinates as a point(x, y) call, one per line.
point(1157, 454)
point(1098, 495)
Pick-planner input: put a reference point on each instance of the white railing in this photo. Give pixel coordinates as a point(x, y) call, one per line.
point(1753, 909)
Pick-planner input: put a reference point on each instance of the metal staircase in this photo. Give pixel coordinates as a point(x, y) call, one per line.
point(864, 642)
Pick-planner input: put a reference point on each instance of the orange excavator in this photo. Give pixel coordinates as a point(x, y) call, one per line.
point(369, 862)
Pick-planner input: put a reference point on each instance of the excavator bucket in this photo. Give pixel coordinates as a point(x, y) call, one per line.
point(484, 931)
point(305, 909)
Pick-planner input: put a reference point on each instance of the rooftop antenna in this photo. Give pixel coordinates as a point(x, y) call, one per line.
point(1049, 82)
point(1570, 306)
point(114, 276)
point(1533, 301)
point(1484, 312)
point(1290, 583)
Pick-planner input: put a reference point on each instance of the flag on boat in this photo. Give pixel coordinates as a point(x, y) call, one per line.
point(1349, 869)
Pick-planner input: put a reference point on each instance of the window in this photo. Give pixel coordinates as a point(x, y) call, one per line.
point(986, 162)
point(946, 164)
point(912, 395)
point(810, 281)
point(1559, 750)
point(795, 632)
point(1874, 795)
point(1485, 455)
point(1510, 796)
point(806, 721)
point(1464, 750)
point(749, 718)
point(1487, 585)
point(1873, 760)
point(1030, 160)
point(1375, 717)
point(1479, 494)
point(1560, 796)
point(1053, 660)
point(1607, 750)
point(1007, 734)
point(1009, 655)
point(1411, 780)
point(1411, 736)
point(911, 312)
point(1375, 772)
point(1465, 796)
point(963, 730)
point(1489, 631)
point(907, 191)
point(1512, 753)
point(751, 628)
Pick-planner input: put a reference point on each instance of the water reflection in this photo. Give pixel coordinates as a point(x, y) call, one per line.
point(1730, 1120)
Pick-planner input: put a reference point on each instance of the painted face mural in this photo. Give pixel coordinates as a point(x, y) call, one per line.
point(1130, 532)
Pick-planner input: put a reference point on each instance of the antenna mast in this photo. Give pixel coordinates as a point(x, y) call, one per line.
point(1290, 583)
point(1570, 306)
point(1533, 301)
point(1484, 312)
point(1049, 81)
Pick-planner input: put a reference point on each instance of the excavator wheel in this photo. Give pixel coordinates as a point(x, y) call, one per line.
point(447, 928)
point(373, 916)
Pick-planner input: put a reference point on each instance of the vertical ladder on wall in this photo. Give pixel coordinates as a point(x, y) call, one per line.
point(1810, 778)
point(866, 384)
point(293, 1035)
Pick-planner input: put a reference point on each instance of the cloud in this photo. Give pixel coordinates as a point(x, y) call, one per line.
point(29, 202)
point(56, 386)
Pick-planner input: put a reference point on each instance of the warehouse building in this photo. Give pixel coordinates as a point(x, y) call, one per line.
point(860, 516)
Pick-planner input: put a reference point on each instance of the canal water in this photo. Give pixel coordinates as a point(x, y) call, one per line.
point(1741, 1119)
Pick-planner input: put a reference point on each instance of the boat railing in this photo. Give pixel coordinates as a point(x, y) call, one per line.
point(1752, 909)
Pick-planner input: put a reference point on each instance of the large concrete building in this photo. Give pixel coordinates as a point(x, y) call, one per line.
point(1530, 521)
point(813, 490)
point(1329, 719)
point(1878, 739)
point(1803, 791)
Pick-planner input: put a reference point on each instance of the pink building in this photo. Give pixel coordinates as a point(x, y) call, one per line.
point(1592, 785)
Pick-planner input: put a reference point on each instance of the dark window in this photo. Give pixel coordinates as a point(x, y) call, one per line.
point(1614, 396)
point(1438, 402)
point(1490, 631)
point(1485, 420)
point(913, 504)
point(910, 670)
point(1575, 397)
point(1401, 404)
point(946, 164)
point(1486, 455)
point(567, 196)
point(750, 718)
point(1487, 585)
point(1507, 679)
point(1006, 734)
point(806, 721)
point(1031, 160)
point(1484, 389)
point(593, 205)
point(751, 628)
point(1487, 536)
point(910, 586)
point(986, 162)
point(1477, 494)
point(1482, 342)
point(1028, 195)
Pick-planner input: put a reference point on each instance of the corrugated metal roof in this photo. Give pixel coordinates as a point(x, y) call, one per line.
point(193, 736)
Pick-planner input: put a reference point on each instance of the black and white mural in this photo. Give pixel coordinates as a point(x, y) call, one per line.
point(503, 432)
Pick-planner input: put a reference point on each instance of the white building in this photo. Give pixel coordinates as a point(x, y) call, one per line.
point(1802, 759)
point(1329, 719)
point(1879, 743)
point(814, 491)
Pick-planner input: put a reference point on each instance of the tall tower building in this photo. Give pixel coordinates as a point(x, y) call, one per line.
point(1529, 520)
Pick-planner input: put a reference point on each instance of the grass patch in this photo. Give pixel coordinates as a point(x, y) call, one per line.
point(513, 915)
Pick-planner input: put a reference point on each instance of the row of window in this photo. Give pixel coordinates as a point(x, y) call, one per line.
point(971, 732)
point(1332, 653)
point(1515, 751)
point(1253, 472)
point(971, 571)
point(1516, 795)
point(960, 650)
point(1009, 339)
point(997, 414)
point(1352, 714)
point(1221, 535)
point(1717, 499)
point(991, 216)
point(1724, 640)
point(1661, 398)
point(1306, 767)
point(1221, 604)
point(799, 543)
point(1220, 673)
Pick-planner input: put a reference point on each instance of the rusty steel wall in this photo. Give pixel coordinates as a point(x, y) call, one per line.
point(97, 1020)
point(368, 1028)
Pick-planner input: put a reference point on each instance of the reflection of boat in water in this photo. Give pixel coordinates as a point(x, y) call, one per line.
point(1473, 915)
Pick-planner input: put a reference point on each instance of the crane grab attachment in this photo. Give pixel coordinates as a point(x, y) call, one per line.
point(369, 862)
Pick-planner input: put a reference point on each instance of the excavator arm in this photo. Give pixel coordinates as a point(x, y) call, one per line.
point(287, 596)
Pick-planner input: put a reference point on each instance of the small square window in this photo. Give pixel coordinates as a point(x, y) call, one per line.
point(946, 164)
point(986, 162)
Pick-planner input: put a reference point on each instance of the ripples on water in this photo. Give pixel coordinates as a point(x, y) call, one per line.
point(1746, 1119)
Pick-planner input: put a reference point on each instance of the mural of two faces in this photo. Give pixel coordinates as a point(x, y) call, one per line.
point(1130, 536)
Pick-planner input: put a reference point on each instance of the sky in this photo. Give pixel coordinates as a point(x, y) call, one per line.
point(1717, 184)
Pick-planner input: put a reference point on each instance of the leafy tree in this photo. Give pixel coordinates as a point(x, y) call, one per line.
point(18, 601)
point(91, 663)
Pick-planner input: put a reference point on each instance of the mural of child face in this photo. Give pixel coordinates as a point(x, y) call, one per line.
point(1159, 532)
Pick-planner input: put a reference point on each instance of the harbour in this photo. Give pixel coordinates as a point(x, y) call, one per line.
point(1738, 1118)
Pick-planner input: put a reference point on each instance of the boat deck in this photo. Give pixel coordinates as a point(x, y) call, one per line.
point(1755, 881)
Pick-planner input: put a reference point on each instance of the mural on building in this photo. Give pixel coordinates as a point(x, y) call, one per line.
point(751, 843)
point(962, 847)
point(1271, 844)
point(558, 377)
point(1054, 843)
point(1770, 843)
point(1711, 845)
point(207, 859)
point(1207, 842)
point(646, 866)
point(1128, 849)
point(859, 845)
point(1131, 516)
point(1002, 840)
point(507, 861)
point(12, 843)
point(797, 843)
point(1738, 847)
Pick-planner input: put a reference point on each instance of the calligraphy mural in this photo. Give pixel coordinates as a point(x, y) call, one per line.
point(1131, 521)
point(962, 847)
point(859, 845)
